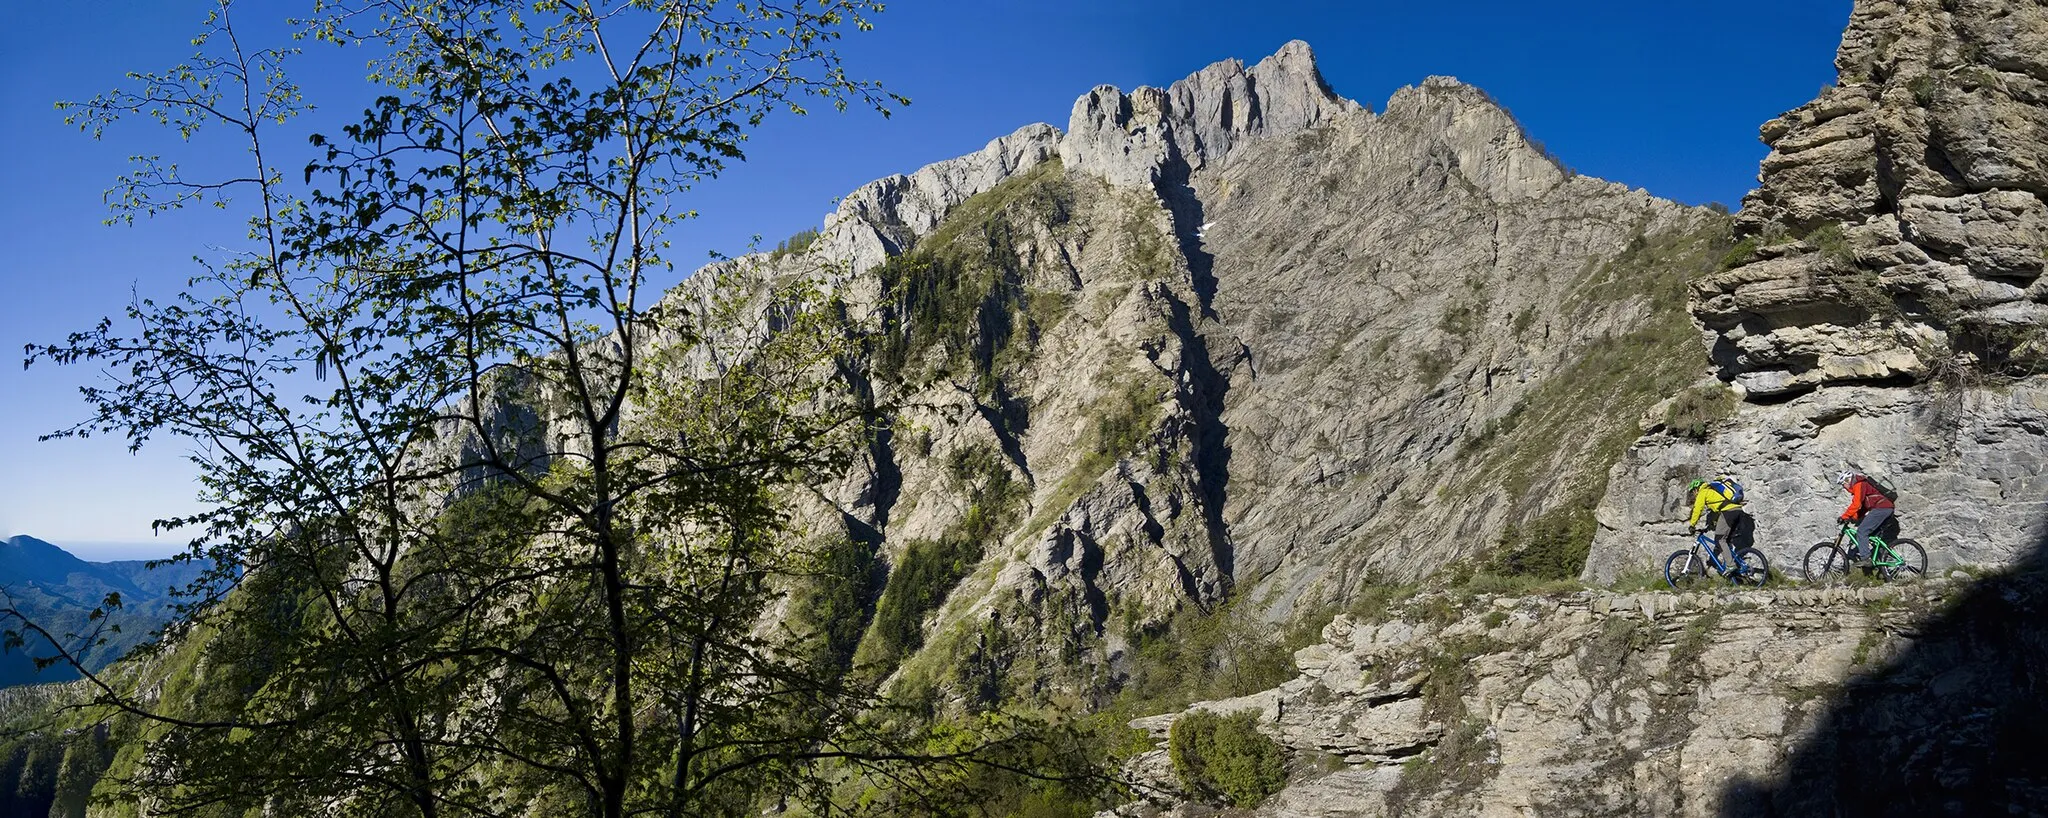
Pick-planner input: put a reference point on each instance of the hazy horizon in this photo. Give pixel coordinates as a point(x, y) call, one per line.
point(99, 551)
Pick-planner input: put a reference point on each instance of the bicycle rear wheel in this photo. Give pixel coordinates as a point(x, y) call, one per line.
point(1825, 564)
point(1755, 570)
point(1912, 562)
point(1683, 571)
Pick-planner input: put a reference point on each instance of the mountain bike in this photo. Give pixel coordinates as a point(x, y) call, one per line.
point(1889, 559)
point(1686, 568)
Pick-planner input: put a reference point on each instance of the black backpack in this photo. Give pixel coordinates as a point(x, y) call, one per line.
point(1882, 487)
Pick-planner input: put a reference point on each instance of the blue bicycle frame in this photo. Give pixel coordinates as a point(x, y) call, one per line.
point(1707, 542)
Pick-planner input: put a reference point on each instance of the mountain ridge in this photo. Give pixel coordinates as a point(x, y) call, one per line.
point(57, 590)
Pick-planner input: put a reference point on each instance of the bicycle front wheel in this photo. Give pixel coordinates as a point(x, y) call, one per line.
point(1911, 562)
point(1755, 570)
point(1683, 571)
point(1825, 564)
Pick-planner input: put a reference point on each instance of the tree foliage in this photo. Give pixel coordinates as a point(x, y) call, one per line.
point(495, 528)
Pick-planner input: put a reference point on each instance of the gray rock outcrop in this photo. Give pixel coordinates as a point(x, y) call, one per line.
point(1655, 704)
point(1131, 139)
point(1901, 220)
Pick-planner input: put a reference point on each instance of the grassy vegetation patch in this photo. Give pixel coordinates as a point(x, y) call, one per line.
point(1148, 252)
point(1695, 413)
point(1376, 602)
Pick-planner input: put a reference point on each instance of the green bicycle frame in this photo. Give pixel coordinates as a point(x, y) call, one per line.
point(1878, 546)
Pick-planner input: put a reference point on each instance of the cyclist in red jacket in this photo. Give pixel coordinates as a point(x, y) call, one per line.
point(1868, 508)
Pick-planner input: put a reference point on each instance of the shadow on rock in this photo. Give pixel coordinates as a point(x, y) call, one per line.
point(1955, 725)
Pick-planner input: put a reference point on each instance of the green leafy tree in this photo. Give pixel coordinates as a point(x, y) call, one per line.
point(495, 529)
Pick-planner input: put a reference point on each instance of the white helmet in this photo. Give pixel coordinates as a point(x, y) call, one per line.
point(1842, 478)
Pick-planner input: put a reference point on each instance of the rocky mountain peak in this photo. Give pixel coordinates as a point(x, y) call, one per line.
point(1490, 147)
point(1127, 139)
point(1131, 139)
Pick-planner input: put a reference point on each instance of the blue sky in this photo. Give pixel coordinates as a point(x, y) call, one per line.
point(1663, 96)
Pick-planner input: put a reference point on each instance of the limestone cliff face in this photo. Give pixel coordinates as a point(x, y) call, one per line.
point(1887, 310)
point(1900, 222)
point(1420, 316)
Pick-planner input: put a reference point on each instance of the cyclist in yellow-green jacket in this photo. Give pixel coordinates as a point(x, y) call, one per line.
point(1717, 504)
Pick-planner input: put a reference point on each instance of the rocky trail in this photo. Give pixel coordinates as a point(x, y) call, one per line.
point(1651, 703)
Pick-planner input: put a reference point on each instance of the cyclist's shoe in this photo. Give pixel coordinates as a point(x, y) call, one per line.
point(1860, 560)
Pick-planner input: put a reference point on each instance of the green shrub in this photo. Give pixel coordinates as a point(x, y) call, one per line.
point(1215, 655)
point(1865, 289)
point(1695, 413)
point(1833, 246)
point(1463, 317)
point(1226, 757)
point(1925, 88)
point(2015, 350)
point(1553, 546)
point(1431, 366)
point(1738, 255)
point(1524, 320)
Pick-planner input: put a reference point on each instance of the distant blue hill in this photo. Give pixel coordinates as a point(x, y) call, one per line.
point(59, 590)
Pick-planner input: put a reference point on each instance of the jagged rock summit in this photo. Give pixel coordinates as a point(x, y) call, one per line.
point(1126, 139)
point(1152, 135)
